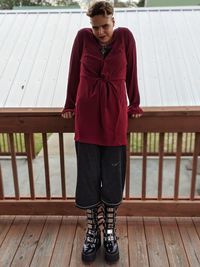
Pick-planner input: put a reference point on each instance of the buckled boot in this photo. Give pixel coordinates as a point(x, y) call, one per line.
point(111, 249)
point(92, 240)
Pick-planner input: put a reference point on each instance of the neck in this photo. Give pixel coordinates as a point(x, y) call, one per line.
point(105, 44)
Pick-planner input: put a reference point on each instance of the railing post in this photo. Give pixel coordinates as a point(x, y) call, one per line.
point(62, 165)
point(30, 163)
point(127, 179)
point(1, 185)
point(14, 165)
point(160, 168)
point(32, 145)
point(194, 165)
point(178, 160)
point(144, 166)
point(46, 165)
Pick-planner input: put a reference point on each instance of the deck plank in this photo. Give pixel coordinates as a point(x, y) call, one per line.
point(137, 242)
point(173, 242)
point(29, 242)
point(190, 239)
point(122, 234)
point(155, 243)
point(5, 223)
point(53, 241)
point(64, 243)
point(12, 240)
point(196, 222)
point(46, 242)
point(78, 243)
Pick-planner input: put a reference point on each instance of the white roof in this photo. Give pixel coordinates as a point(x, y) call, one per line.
point(35, 49)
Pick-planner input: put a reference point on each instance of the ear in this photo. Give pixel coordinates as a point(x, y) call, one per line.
point(113, 20)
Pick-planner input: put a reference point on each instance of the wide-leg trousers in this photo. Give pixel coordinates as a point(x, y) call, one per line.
point(100, 175)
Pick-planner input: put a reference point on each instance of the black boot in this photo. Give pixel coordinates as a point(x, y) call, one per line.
point(110, 238)
point(93, 236)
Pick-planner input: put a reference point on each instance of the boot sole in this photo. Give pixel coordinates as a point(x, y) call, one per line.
point(90, 257)
point(111, 257)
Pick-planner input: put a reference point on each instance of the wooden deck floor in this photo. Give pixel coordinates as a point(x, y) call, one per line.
point(57, 241)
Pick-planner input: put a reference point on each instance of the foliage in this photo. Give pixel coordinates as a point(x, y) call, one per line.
point(141, 3)
point(9, 4)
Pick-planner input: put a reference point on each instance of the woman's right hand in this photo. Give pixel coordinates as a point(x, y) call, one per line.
point(68, 115)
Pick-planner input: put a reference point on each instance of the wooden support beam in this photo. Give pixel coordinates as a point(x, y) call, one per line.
point(165, 208)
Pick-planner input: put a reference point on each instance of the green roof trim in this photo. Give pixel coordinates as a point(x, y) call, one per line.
point(160, 3)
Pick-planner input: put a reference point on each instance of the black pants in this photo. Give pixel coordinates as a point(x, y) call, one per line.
point(100, 175)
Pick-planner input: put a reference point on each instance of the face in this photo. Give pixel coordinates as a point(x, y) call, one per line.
point(102, 27)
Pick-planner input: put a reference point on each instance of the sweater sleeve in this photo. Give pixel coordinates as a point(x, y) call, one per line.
point(74, 74)
point(131, 77)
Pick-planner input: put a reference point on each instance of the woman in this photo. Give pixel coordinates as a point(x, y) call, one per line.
point(102, 74)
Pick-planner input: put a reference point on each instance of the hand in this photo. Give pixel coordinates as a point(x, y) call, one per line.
point(136, 116)
point(68, 115)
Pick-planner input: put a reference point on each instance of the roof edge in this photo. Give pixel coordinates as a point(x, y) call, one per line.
point(140, 9)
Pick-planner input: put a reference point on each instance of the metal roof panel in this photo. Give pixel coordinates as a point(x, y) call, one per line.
point(35, 51)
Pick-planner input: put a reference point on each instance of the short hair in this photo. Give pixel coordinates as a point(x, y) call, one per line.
point(104, 8)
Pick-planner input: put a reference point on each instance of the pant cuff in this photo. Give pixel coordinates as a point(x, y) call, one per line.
point(88, 207)
point(111, 204)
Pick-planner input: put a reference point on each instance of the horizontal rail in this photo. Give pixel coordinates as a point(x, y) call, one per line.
point(152, 121)
point(163, 208)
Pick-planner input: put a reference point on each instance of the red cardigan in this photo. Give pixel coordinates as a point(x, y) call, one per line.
point(98, 87)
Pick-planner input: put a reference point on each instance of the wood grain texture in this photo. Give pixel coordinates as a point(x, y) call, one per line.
point(190, 239)
point(29, 242)
point(137, 242)
point(12, 240)
point(46, 243)
point(64, 243)
point(173, 243)
point(155, 243)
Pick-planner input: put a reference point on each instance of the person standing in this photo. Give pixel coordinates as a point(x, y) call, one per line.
point(102, 73)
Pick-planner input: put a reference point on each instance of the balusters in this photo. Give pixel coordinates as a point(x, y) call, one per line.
point(194, 165)
point(127, 183)
point(160, 166)
point(30, 164)
point(1, 185)
point(144, 165)
point(177, 167)
point(46, 165)
point(14, 165)
point(62, 165)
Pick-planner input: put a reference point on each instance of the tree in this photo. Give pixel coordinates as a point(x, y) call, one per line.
point(7, 4)
point(141, 3)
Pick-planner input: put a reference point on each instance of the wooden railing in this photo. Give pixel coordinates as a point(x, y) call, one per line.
point(136, 144)
point(152, 144)
point(19, 144)
point(138, 198)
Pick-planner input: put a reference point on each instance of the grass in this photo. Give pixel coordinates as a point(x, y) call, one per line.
point(20, 143)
